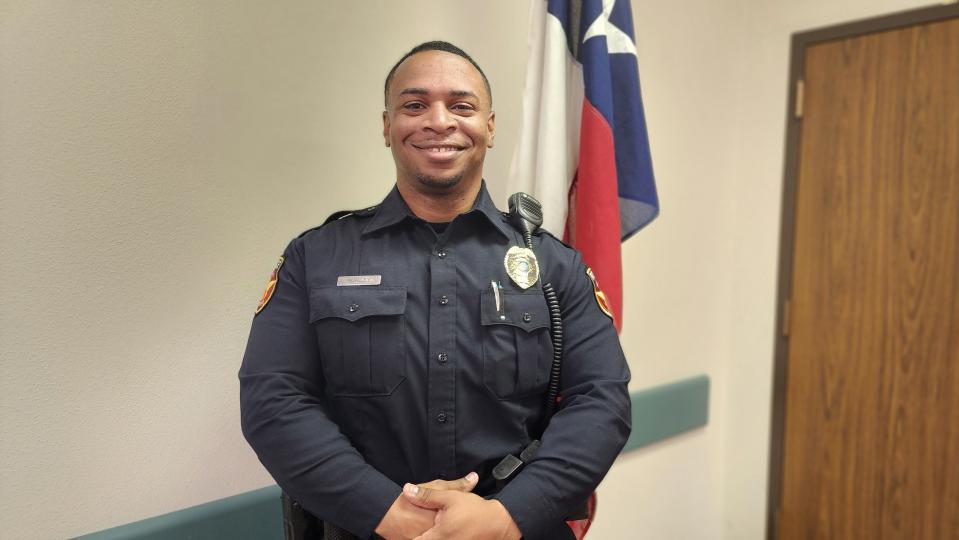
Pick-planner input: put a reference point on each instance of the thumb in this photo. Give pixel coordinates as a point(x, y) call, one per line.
point(429, 535)
point(465, 484)
point(424, 497)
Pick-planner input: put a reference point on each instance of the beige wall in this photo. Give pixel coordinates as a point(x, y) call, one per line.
point(155, 157)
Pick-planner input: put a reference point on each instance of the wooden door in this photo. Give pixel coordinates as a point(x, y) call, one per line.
point(870, 441)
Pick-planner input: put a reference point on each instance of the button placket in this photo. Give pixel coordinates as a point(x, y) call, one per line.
point(441, 372)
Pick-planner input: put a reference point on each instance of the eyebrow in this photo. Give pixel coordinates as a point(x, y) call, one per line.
point(424, 91)
point(463, 93)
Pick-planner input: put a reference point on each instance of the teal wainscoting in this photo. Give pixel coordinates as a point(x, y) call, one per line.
point(254, 515)
point(663, 411)
point(658, 413)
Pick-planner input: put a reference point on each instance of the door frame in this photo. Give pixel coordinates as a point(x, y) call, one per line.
point(800, 41)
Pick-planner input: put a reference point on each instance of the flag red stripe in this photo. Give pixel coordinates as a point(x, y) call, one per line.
point(593, 219)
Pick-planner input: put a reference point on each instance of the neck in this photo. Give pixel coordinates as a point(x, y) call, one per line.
point(439, 206)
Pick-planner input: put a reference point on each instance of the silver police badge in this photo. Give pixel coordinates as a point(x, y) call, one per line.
point(521, 266)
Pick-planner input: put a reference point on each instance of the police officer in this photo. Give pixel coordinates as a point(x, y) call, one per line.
point(396, 346)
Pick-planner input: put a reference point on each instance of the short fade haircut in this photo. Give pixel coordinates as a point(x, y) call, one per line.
point(443, 46)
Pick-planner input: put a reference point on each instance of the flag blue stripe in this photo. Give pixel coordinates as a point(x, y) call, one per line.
point(611, 84)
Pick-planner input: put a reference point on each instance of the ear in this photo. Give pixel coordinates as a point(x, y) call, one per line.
point(491, 128)
point(386, 128)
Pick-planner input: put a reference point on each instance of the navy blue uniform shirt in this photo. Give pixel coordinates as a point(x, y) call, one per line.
point(349, 391)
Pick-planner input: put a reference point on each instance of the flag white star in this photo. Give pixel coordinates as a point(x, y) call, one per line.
point(617, 41)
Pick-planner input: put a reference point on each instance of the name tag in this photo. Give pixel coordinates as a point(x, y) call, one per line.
point(350, 281)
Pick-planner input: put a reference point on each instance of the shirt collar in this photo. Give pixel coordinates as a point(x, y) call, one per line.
point(394, 209)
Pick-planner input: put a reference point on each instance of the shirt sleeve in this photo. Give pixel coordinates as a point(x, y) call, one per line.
point(592, 422)
point(284, 418)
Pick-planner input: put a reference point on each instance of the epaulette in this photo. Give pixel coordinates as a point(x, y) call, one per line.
point(369, 211)
point(344, 213)
point(560, 240)
point(540, 231)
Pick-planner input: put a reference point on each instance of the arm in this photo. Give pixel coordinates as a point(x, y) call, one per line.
point(593, 419)
point(284, 419)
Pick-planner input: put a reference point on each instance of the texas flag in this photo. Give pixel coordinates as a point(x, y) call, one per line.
point(583, 149)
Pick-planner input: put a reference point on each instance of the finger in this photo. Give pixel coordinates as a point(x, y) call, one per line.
point(433, 499)
point(465, 484)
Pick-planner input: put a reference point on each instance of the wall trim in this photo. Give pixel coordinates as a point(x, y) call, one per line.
point(667, 410)
point(659, 413)
point(253, 515)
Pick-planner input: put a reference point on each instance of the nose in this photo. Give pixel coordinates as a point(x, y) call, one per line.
point(440, 119)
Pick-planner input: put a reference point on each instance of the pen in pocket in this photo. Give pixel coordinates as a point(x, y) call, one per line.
point(498, 298)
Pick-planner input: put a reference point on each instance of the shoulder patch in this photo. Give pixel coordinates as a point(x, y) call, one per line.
point(270, 287)
point(601, 298)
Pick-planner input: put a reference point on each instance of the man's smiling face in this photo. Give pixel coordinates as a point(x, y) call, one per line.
point(438, 121)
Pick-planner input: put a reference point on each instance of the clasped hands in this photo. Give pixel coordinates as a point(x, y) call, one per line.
point(447, 509)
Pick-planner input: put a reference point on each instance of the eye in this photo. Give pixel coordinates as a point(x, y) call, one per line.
point(463, 107)
point(414, 106)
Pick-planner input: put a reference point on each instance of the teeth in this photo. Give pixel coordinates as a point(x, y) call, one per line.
point(441, 149)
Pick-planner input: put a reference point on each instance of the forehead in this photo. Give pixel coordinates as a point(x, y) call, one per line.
point(438, 71)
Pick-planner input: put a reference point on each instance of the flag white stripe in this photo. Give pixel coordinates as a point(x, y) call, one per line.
point(548, 151)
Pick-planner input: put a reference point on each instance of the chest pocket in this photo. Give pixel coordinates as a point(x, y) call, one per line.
point(516, 348)
point(361, 336)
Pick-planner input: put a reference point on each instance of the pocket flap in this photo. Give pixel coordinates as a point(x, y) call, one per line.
point(354, 303)
point(526, 310)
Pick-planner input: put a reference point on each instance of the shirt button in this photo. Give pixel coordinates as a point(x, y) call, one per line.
point(441, 418)
point(527, 317)
point(441, 254)
point(442, 357)
point(354, 307)
point(444, 300)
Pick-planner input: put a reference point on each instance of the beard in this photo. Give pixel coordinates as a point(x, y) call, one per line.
point(438, 184)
